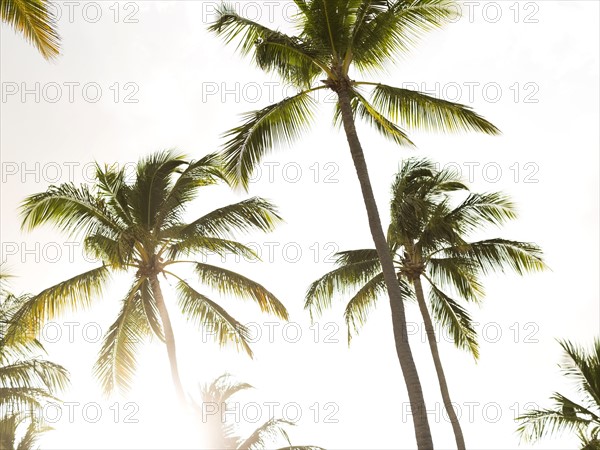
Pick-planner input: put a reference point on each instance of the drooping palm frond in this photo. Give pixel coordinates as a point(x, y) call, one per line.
point(213, 318)
point(12, 436)
point(116, 364)
point(277, 124)
point(416, 110)
point(355, 268)
point(455, 318)
point(231, 283)
point(35, 21)
point(26, 380)
point(365, 300)
point(460, 272)
point(373, 117)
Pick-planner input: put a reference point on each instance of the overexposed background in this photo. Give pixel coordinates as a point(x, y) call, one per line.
point(147, 76)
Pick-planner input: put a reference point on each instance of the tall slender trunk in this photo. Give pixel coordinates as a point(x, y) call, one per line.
point(169, 336)
point(458, 434)
point(409, 370)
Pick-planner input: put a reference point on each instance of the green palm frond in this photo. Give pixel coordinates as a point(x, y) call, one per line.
point(458, 272)
point(204, 172)
point(199, 244)
point(153, 183)
point(34, 20)
point(231, 283)
point(477, 210)
point(355, 268)
point(420, 111)
point(248, 215)
point(455, 318)
point(116, 364)
point(567, 416)
point(373, 117)
point(72, 210)
point(273, 51)
point(365, 300)
point(208, 314)
point(395, 28)
point(499, 254)
point(69, 295)
point(583, 367)
point(273, 126)
point(34, 372)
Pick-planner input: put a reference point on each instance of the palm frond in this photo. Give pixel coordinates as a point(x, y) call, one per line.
point(455, 318)
point(231, 283)
point(209, 315)
point(117, 362)
point(71, 209)
point(248, 215)
point(266, 433)
point(458, 272)
point(396, 27)
point(277, 124)
point(499, 254)
point(583, 367)
point(567, 416)
point(365, 300)
point(420, 111)
point(373, 117)
point(69, 295)
point(355, 268)
point(34, 20)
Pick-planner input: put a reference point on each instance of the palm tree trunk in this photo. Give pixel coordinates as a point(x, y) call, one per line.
point(458, 434)
point(169, 336)
point(409, 370)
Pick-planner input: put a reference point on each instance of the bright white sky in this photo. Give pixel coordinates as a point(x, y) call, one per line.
point(533, 71)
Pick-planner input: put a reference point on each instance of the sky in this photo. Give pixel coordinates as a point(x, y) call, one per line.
point(138, 77)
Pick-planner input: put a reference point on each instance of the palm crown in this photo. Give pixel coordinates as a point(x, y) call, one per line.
point(26, 380)
point(221, 434)
point(334, 37)
point(428, 237)
point(139, 227)
point(582, 366)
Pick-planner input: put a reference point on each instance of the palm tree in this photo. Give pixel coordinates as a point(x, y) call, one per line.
point(26, 380)
point(428, 239)
point(335, 38)
point(34, 20)
point(582, 367)
point(9, 430)
point(220, 434)
point(138, 227)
